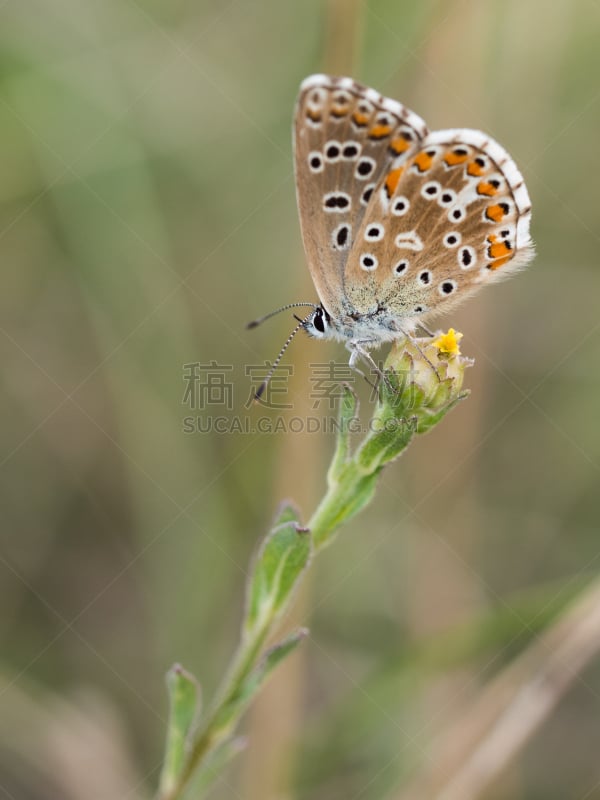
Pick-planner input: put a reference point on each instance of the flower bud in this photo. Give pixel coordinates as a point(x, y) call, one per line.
point(423, 379)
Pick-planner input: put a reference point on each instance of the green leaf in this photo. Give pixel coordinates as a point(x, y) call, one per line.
point(386, 443)
point(348, 411)
point(282, 558)
point(267, 664)
point(240, 699)
point(286, 512)
point(428, 421)
point(183, 709)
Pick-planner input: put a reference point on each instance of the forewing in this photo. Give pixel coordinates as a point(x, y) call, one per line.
point(457, 218)
point(346, 138)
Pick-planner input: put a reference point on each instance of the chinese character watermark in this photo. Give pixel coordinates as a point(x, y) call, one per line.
point(207, 385)
point(273, 390)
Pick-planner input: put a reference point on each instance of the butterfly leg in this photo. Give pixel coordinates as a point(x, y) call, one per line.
point(357, 350)
point(352, 363)
point(429, 333)
point(415, 343)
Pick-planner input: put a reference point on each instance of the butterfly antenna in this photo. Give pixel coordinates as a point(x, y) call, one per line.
point(256, 322)
point(301, 322)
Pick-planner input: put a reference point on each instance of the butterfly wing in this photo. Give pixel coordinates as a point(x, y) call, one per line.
point(346, 138)
point(455, 218)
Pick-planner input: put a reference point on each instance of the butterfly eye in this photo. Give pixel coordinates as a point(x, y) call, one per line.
point(401, 206)
point(318, 321)
point(452, 239)
point(447, 287)
point(374, 233)
point(368, 262)
point(401, 267)
point(425, 277)
point(466, 257)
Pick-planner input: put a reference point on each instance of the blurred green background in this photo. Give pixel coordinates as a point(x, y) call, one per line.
point(147, 212)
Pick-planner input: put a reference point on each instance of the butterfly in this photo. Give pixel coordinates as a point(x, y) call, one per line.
point(398, 223)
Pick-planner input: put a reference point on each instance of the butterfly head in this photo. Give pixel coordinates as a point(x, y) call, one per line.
point(318, 323)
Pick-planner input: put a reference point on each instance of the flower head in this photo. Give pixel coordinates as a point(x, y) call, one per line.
point(424, 378)
point(421, 382)
point(447, 343)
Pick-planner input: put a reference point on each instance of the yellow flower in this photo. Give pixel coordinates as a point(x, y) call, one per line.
point(447, 343)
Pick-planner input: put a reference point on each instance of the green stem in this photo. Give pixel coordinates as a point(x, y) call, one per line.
point(352, 479)
point(344, 498)
point(407, 408)
point(213, 730)
point(351, 486)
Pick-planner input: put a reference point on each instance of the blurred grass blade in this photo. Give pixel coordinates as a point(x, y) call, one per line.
point(184, 701)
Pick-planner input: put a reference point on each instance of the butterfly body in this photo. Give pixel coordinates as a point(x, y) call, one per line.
point(369, 329)
point(398, 223)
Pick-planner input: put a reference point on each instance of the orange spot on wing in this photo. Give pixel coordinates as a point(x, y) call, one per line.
point(452, 159)
point(340, 111)
point(314, 115)
point(380, 131)
point(499, 262)
point(360, 119)
point(475, 169)
point(392, 180)
point(495, 213)
point(423, 161)
point(399, 145)
point(487, 189)
point(500, 250)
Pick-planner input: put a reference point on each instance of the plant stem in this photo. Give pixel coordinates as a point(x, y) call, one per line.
point(337, 504)
point(415, 396)
point(211, 734)
point(343, 499)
